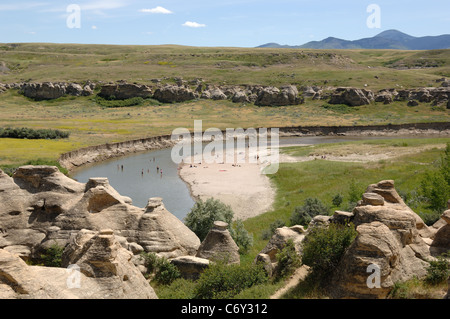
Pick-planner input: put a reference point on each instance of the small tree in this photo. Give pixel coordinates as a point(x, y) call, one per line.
point(202, 216)
point(323, 248)
point(312, 207)
point(288, 260)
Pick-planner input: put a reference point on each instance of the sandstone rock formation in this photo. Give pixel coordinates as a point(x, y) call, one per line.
point(219, 245)
point(98, 267)
point(190, 267)
point(352, 96)
point(123, 90)
point(393, 244)
point(40, 206)
point(172, 93)
point(389, 241)
point(278, 241)
point(50, 90)
point(272, 96)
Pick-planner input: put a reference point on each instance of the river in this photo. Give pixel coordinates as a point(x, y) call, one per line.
point(153, 174)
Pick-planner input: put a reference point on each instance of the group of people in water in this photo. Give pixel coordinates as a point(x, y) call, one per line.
point(159, 170)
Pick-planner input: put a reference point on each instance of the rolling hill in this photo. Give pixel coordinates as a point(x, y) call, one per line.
point(390, 39)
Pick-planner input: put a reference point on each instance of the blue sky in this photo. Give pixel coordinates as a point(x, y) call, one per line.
point(239, 23)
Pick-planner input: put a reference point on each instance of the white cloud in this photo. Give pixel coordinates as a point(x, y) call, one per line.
point(191, 24)
point(157, 10)
point(94, 27)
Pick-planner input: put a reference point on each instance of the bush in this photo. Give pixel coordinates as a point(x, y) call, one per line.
point(268, 233)
point(323, 248)
point(288, 261)
point(32, 134)
point(202, 216)
point(51, 257)
point(312, 207)
point(112, 102)
point(222, 281)
point(337, 200)
point(438, 271)
point(162, 270)
point(241, 237)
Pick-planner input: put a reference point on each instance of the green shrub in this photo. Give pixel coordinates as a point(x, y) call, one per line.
point(323, 248)
point(32, 134)
point(241, 237)
point(438, 271)
point(51, 257)
point(288, 261)
point(222, 281)
point(202, 216)
point(112, 102)
point(162, 270)
point(337, 200)
point(312, 207)
point(268, 233)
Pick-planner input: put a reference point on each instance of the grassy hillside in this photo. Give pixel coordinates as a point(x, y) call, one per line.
point(91, 124)
point(265, 66)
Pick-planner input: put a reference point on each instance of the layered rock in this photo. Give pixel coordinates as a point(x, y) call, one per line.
point(50, 90)
point(173, 93)
point(98, 267)
point(272, 96)
point(123, 90)
point(278, 241)
point(219, 245)
point(352, 97)
point(389, 244)
point(40, 206)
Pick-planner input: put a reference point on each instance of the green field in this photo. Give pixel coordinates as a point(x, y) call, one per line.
point(89, 123)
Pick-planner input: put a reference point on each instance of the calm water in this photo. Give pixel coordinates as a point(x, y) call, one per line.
point(141, 180)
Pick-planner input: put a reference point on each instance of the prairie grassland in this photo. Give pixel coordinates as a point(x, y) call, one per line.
point(323, 179)
point(91, 124)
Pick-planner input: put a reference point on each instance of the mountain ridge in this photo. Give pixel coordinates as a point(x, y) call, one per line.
point(389, 39)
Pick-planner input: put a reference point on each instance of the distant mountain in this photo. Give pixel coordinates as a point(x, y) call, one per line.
point(390, 39)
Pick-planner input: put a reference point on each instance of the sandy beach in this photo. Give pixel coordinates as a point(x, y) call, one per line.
point(242, 186)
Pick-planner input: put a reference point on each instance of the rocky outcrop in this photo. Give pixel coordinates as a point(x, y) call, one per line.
point(50, 90)
point(272, 96)
point(219, 245)
point(352, 97)
point(173, 93)
point(278, 241)
point(96, 267)
point(389, 244)
point(40, 206)
point(441, 238)
point(123, 91)
point(190, 267)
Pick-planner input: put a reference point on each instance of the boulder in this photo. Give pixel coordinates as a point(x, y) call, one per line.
point(240, 97)
point(272, 96)
point(389, 248)
point(123, 90)
point(43, 91)
point(351, 97)
point(218, 245)
point(441, 239)
point(190, 267)
point(40, 206)
point(278, 241)
point(172, 93)
point(218, 94)
point(97, 268)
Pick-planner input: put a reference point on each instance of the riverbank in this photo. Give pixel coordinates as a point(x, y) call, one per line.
point(241, 186)
point(99, 153)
